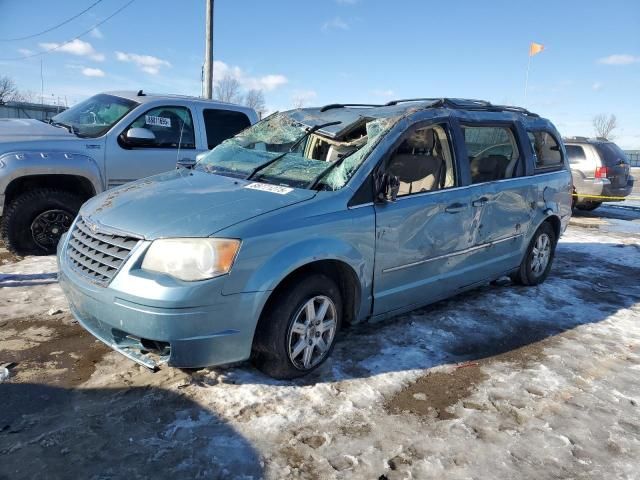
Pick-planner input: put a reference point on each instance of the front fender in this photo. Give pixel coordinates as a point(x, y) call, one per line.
point(20, 164)
point(267, 271)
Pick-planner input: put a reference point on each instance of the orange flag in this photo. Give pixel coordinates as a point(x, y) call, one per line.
point(535, 48)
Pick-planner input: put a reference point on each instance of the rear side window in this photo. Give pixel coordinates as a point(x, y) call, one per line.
point(223, 124)
point(575, 153)
point(493, 153)
point(611, 154)
point(546, 150)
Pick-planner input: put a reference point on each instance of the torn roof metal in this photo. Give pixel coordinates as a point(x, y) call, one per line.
point(353, 114)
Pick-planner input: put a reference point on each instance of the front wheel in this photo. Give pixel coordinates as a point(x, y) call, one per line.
point(536, 264)
point(298, 331)
point(34, 222)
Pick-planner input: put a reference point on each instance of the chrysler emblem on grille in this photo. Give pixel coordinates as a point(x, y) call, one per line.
point(92, 226)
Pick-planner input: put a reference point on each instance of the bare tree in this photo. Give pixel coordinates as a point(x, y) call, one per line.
point(298, 101)
point(227, 89)
point(604, 125)
point(26, 96)
point(255, 99)
point(7, 89)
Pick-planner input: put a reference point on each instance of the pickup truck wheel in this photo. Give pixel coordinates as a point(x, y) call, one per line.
point(536, 264)
point(34, 222)
point(297, 333)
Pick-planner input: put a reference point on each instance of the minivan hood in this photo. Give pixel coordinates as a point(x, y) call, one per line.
point(184, 203)
point(19, 129)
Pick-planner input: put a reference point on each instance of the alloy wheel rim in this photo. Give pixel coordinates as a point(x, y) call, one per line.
point(540, 254)
point(312, 332)
point(48, 227)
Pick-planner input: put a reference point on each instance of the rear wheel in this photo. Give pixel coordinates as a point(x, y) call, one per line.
point(297, 333)
point(536, 264)
point(589, 206)
point(35, 220)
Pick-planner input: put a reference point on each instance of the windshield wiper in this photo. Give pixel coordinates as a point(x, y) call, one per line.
point(71, 128)
point(314, 183)
point(313, 129)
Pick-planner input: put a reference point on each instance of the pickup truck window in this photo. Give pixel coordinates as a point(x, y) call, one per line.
point(546, 149)
point(493, 153)
point(95, 116)
point(169, 125)
point(223, 124)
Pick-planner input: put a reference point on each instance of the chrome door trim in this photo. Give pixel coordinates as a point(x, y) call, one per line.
point(454, 254)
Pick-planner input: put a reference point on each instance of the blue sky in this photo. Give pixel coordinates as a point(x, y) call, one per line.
point(327, 51)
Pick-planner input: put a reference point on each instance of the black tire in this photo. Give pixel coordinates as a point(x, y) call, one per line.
point(270, 352)
point(589, 206)
point(526, 275)
point(20, 233)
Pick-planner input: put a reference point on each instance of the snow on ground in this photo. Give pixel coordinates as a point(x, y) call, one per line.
point(29, 287)
point(500, 382)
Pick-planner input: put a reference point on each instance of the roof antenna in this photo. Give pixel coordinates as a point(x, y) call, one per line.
point(141, 93)
point(179, 142)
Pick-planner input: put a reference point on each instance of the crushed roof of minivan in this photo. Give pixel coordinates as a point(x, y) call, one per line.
point(350, 114)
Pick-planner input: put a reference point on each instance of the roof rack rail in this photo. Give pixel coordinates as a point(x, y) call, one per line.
point(577, 138)
point(405, 100)
point(465, 104)
point(442, 101)
point(342, 105)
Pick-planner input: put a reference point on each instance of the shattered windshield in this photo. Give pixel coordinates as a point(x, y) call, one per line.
point(282, 151)
point(95, 116)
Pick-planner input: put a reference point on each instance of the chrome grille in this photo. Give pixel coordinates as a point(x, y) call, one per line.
point(96, 254)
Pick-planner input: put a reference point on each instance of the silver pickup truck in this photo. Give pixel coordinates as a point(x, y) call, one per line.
point(48, 169)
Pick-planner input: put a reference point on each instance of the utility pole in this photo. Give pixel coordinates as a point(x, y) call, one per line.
point(208, 52)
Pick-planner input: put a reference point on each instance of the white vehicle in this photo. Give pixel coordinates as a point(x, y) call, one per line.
point(48, 169)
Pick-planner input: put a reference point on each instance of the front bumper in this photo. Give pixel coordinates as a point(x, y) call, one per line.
point(192, 323)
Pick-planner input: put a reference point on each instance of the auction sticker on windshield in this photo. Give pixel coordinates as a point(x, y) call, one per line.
point(269, 188)
point(157, 121)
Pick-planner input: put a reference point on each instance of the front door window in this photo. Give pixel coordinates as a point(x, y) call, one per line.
point(171, 126)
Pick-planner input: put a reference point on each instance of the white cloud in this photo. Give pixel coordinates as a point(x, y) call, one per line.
point(92, 72)
point(597, 86)
point(146, 63)
point(75, 47)
point(266, 82)
point(335, 23)
point(388, 93)
point(96, 33)
point(25, 51)
point(619, 59)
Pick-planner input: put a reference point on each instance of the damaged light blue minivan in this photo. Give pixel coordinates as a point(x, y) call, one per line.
point(311, 219)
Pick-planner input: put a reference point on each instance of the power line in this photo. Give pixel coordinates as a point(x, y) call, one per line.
point(44, 52)
point(52, 28)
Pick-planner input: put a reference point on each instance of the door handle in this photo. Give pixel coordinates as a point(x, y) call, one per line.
point(480, 201)
point(455, 207)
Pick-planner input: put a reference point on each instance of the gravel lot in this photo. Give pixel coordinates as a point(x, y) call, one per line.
point(500, 382)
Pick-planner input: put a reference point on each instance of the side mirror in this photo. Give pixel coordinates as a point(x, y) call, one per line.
point(189, 163)
point(387, 187)
point(138, 137)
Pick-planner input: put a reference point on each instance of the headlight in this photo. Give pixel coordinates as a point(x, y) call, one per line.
point(191, 259)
